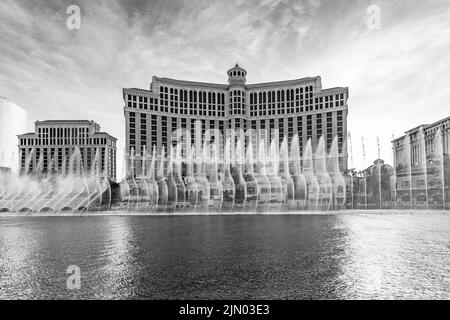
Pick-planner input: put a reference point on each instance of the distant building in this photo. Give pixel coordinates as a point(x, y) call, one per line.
point(54, 142)
point(371, 187)
point(422, 164)
point(379, 186)
point(13, 121)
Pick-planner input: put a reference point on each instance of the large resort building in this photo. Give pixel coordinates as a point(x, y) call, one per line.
point(293, 107)
point(55, 142)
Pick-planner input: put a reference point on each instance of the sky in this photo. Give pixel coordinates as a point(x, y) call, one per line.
point(398, 74)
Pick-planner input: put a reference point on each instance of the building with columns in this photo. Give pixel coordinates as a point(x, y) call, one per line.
point(299, 106)
point(54, 142)
point(421, 163)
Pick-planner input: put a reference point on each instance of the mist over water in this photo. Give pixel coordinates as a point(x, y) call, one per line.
point(230, 257)
point(245, 173)
point(236, 175)
point(73, 189)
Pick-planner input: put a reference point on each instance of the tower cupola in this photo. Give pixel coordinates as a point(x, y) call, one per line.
point(237, 75)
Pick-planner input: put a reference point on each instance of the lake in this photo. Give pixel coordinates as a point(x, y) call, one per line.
point(348, 256)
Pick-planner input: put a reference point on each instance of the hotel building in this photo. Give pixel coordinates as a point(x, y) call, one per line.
point(54, 142)
point(292, 107)
point(420, 163)
point(13, 121)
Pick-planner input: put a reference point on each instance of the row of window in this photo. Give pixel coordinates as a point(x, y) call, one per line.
point(201, 103)
point(419, 183)
point(45, 140)
point(236, 73)
point(60, 158)
point(141, 134)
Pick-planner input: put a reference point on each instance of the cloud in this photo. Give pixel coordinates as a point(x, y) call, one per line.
point(394, 74)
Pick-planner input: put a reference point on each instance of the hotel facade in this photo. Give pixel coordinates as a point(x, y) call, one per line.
point(293, 107)
point(422, 165)
point(54, 143)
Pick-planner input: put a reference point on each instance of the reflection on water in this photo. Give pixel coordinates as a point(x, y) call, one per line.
point(232, 257)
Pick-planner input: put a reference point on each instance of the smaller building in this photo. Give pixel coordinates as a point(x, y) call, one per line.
point(422, 165)
point(59, 146)
point(371, 188)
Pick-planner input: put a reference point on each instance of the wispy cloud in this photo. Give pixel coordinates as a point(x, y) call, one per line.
point(398, 75)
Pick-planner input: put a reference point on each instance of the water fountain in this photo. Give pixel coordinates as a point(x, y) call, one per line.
point(394, 176)
point(163, 193)
point(172, 193)
point(365, 174)
point(44, 190)
point(215, 186)
point(350, 144)
point(201, 179)
point(242, 190)
point(153, 188)
point(141, 184)
point(408, 168)
point(299, 180)
point(337, 179)
point(277, 184)
point(134, 198)
point(125, 191)
point(423, 167)
point(181, 188)
point(288, 181)
point(312, 185)
point(379, 174)
point(190, 180)
point(439, 155)
point(264, 187)
point(228, 185)
point(323, 178)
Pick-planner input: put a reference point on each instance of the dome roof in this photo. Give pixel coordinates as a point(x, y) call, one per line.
point(237, 75)
point(237, 68)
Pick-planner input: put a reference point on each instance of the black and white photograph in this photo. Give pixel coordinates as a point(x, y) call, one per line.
point(204, 151)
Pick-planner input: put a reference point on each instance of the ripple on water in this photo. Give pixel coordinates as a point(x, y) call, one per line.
point(227, 257)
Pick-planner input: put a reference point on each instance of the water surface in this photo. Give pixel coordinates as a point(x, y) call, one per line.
point(230, 257)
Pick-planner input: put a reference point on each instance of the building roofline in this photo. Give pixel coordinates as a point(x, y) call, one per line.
point(437, 122)
point(95, 133)
point(326, 91)
point(425, 127)
point(65, 121)
point(399, 138)
point(144, 91)
point(26, 134)
point(283, 82)
point(105, 133)
point(191, 83)
point(226, 86)
point(138, 89)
